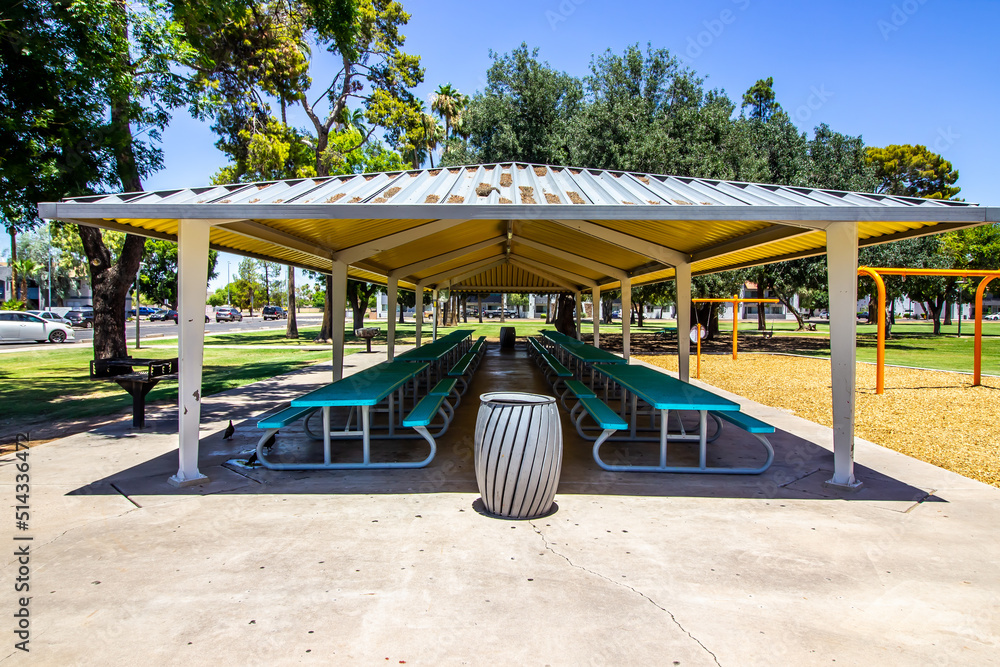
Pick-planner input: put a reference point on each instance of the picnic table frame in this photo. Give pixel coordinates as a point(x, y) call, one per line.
point(664, 393)
point(361, 392)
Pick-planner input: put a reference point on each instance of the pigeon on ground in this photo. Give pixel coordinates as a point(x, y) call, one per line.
point(252, 461)
point(229, 431)
point(269, 443)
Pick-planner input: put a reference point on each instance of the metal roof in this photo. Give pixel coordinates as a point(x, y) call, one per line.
point(552, 227)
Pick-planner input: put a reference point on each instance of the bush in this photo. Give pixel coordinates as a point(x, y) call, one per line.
point(13, 304)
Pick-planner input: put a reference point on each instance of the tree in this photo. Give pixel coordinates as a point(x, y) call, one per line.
point(650, 293)
point(761, 100)
point(519, 301)
point(247, 290)
point(358, 295)
point(795, 276)
point(523, 114)
point(913, 171)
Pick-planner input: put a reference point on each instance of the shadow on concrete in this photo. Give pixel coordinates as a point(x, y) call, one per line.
point(799, 470)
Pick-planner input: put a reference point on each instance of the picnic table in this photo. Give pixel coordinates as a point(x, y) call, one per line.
point(433, 355)
point(664, 393)
point(362, 391)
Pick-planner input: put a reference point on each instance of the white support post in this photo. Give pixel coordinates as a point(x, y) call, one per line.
point(338, 312)
point(503, 308)
point(683, 274)
point(579, 310)
point(418, 294)
point(842, 269)
point(596, 296)
point(392, 290)
point(192, 278)
point(437, 305)
point(626, 316)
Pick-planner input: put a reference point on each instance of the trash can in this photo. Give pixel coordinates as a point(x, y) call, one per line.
point(518, 453)
point(507, 337)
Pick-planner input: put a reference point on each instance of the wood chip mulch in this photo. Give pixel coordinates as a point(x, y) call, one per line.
point(505, 179)
point(934, 416)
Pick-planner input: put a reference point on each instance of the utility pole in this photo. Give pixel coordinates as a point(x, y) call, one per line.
point(137, 316)
point(229, 297)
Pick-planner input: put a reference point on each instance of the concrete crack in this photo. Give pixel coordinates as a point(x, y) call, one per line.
point(648, 599)
point(811, 472)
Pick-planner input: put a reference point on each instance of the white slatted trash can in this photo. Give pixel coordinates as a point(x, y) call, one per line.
point(518, 453)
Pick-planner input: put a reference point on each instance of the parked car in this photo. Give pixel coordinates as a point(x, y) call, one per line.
point(16, 325)
point(273, 313)
point(495, 314)
point(172, 316)
point(228, 314)
point(993, 316)
point(81, 318)
point(49, 316)
point(144, 311)
point(161, 315)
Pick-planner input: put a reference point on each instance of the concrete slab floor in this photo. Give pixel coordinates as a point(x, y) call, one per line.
point(366, 567)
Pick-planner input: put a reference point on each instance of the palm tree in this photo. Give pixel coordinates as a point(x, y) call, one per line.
point(25, 268)
point(354, 119)
point(433, 134)
point(449, 104)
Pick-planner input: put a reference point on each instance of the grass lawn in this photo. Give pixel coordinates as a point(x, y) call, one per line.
point(55, 384)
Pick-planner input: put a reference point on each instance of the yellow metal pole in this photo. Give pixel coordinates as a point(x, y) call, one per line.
point(880, 350)
point(978, 346)
point(735, 322)
point(698, 335)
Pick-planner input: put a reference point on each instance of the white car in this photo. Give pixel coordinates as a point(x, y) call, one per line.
point(50, 316)
point(19, 326)
point(994, 316)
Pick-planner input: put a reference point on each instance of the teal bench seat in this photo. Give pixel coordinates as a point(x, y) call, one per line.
point(744, 421)
point(285, 417)
point(461, 367)
point(444, 387)
point(556, 366)
point(605, 417)
point(424, 411)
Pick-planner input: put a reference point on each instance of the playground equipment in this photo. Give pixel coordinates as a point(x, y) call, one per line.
point(735, 300)
point(876, 275)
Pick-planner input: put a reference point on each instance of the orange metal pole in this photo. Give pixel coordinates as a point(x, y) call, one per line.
point(698, 334)
point(977, 367)
point(735, 321)
point(880, 352)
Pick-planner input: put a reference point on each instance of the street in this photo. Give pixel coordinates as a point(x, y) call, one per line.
point(161, 330)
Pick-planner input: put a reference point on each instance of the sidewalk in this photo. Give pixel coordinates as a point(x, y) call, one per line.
point(393, 567)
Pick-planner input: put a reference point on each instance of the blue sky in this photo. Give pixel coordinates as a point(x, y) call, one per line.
point(903, 71)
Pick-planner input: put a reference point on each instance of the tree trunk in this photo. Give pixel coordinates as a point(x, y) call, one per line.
point(325, 329)
point(947, 312)
point(292, 326)
point(565, 317)
point(788, 304)
point(934, 310)
point(465, 308)
point(480, 298)
point(110, 281)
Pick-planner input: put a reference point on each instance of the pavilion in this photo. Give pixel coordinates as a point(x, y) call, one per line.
point(517, 227)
